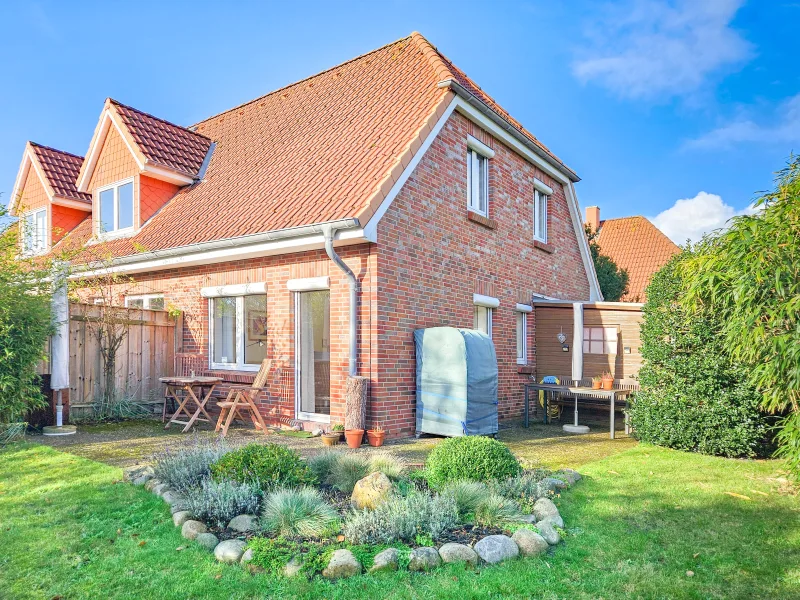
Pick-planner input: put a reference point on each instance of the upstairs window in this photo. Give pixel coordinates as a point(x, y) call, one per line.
point(478, 182)
point(147, 301)
point(540, 216)
point(34, 232)
point(116, 208)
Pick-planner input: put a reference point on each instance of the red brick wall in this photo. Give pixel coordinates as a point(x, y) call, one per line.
point(432, 258)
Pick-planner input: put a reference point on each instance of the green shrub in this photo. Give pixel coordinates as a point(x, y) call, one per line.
point(694, 395)
point(347, 470)
point(401, 519)
point(187, 466)
point(474, 458)
point(495, 510)
point(217, 502)
point(301, 511)
point(468, 495)
point(268, 465)
point(321, 465)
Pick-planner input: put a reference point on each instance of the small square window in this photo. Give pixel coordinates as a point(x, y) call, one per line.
point(600, 340)
point(477, 182)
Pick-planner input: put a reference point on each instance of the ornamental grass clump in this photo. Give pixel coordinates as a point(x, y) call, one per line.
point(402, 519)
point(217, 502)
point(347, 470)
point(268, 465)
point(321, 465)
point(390, 465)
point(185, 467)
point(472, 458)
point(495, 510)
point(298, 512)
point(468, 495)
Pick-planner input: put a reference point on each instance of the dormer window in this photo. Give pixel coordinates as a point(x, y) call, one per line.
point(116, 208)
point(34, 232)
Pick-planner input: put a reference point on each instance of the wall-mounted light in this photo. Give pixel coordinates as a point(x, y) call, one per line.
point(562, 340)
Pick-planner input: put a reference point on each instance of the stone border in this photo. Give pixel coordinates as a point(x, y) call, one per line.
point(490, 550)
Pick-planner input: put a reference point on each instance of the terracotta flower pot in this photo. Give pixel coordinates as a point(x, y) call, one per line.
point(596, 384)
point(330, 439)
point(354, 437)
point(608, 384)
point(375, 438)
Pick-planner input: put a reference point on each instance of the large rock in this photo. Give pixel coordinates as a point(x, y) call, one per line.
point(458, 553)
point(529, 519)
point(229, 551)
point(138, 475)
point(191, 529)
point(570, 475)
point(180, 517)
point(387, 560)
point(554, 483)
point(294, 567)
point(371, 491)
point(424, 559)
point(496, 548)
point(342, 564)
point(548, 532)
point(545, 509)
point(242, 523)
point(207, 540)
point(529, 542)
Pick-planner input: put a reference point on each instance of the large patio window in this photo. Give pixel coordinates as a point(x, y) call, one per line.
point(238, 336)
point(600, 340)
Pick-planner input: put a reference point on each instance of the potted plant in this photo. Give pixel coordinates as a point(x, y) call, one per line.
point(354, 437)
point(338, 429)
point(376, 436)
point(596, 382)
point(331, 438)
point(607, 381)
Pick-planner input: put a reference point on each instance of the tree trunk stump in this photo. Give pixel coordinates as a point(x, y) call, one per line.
point(355, 415)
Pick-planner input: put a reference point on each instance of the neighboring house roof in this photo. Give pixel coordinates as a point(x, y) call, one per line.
point(61, 170)
point(638, 246)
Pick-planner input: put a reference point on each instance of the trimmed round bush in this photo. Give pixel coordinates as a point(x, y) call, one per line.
point(472, 458)
point(268, 465)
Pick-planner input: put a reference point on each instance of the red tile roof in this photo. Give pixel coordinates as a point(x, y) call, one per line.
point(325, 148)
point(164, 143)
point(637, 245)
point(61, 170)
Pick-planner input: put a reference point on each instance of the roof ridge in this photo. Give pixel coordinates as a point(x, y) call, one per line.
point(298, 82)
point(437, 59)
point(37, 145)
point(146, 114)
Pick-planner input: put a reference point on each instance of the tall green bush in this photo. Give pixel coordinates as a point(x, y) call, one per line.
point(694, 396)
point(25, 324)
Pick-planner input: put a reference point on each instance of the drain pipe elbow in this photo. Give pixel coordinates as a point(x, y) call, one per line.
point(329, 233)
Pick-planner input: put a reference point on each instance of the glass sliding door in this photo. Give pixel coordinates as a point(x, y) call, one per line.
point(312, 355)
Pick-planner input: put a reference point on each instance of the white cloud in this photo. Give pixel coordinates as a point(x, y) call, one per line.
point(690, 218)
point(659, 49)
point(784, 129)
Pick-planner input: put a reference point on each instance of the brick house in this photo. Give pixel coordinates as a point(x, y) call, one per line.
point(393, 171)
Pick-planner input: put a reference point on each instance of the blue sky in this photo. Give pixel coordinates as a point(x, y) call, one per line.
point(677, 110)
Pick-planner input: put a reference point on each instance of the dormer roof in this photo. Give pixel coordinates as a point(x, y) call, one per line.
point(161, 149)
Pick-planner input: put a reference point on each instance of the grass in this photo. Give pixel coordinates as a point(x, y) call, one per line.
point(637, 524)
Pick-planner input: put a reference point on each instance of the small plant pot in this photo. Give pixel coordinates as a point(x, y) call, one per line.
point(608, 384)
point(596, 385)
point(330, 439)
point(354, 437)
point(375, 438)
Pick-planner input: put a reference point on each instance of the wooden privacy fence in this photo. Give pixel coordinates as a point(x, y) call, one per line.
point(146, 354)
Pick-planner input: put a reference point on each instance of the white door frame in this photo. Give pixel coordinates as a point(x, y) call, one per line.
point(299, 414)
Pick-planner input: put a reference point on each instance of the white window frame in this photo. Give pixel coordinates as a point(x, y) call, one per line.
point(610, 339)
point(39, 246)
point(521, 312)
point(487, 303)
point(239, 291)
point(146, 298)
point(540, 199)
point(476, 148)
point(116, 232)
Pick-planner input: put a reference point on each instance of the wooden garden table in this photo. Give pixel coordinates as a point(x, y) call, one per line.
point(189, 398)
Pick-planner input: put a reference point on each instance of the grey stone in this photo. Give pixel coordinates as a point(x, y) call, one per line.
point(246, 557)
point(553, 483)
point(316, 432)
point(496, 548)
point(545, 509)
point(173, 508)
point(294, 567)
point(151, 484)
point(530, 519)
point(138, 473)
point(529, 542)
point(160, 489)
point(424, 559)
point(141, 480)
point(242, 523)
point(229, 551)
point(297, 428)
point(191, 529)
point(570, 475)
point(457, 553)
point(371, 491)
point(180, 517)
point(342, 564)
point(548, 531)
point(207, 540)
point(387, 560)
point(172, 497)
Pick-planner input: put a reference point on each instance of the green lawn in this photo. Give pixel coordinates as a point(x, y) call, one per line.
point(638, 523)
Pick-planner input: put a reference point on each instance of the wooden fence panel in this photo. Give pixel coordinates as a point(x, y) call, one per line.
point(146, 354)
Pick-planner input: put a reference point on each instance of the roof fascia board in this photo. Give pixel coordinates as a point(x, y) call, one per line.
point(95, 146)
point(70, 203)
point(595, 295)
point(29, 160)
point(166, 175)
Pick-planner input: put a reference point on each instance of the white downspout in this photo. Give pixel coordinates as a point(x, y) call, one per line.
point(330, 231)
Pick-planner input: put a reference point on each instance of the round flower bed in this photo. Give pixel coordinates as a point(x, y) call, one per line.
point(341, 513)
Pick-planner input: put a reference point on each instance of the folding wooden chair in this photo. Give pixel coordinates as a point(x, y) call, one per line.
point(243, 398)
